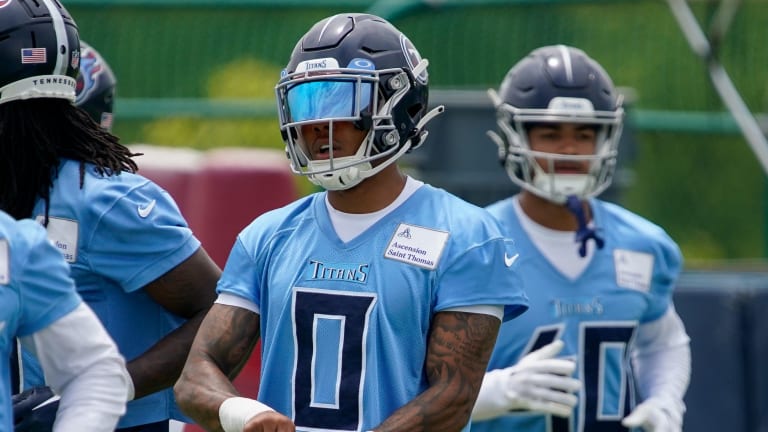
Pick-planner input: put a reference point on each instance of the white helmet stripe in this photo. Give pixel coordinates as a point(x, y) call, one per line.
point(325, 27)
point(567, 64)
point(61, 38)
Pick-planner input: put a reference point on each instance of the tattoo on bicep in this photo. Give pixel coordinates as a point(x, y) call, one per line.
point(231, 336)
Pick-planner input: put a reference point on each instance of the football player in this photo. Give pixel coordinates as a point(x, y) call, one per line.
point(39, 305)
point(378, 299)
point(134, 260)
point(602, 348)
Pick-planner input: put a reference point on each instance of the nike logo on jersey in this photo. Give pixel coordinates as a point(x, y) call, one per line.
point(145, 211)
point(509, 260)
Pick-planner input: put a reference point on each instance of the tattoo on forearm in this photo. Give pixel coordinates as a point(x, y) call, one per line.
point(222, 345)
point(460, 345)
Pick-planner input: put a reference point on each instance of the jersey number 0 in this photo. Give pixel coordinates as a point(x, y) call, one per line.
point(330, 332)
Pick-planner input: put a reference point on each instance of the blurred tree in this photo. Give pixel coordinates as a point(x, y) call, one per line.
point(247, 79)
point(241, 79)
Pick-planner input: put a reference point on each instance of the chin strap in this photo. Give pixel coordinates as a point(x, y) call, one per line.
point(584, 232)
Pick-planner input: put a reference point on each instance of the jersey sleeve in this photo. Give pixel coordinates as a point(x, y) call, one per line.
point(46, 291)
point(248, 264)
point(668, 263)
point(484, 274)
point(138, 234)
point(239, 276)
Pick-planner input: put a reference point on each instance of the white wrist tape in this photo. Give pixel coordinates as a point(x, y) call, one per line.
point(235, 412)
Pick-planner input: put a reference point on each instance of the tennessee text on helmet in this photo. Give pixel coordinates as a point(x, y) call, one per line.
point(96, 86)
point(557, 84)
point(40, 50)
point(354, 68)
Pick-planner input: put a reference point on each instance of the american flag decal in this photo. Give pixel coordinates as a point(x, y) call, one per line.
point(106, 120)
point(33, 55)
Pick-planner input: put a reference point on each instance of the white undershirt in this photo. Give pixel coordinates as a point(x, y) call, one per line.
point(82, 365)
point(350, 225)
point(558, 247)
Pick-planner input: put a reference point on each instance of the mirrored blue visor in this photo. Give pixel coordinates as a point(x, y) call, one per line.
point(328, 99)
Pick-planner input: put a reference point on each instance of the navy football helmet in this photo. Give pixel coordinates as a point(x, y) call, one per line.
point(356, 68)
point(96, 86)
point(557, 84)
point(40, 50)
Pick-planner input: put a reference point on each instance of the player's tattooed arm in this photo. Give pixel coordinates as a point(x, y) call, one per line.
point(458, 351)
point(222, 346)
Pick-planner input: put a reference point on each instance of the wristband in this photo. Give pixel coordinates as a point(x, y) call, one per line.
point(235, 412)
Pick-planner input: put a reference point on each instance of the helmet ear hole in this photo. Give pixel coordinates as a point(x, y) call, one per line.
point(415, 109)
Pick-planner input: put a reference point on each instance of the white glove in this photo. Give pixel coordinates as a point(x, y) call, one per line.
point(652, 417)
point(539, 382)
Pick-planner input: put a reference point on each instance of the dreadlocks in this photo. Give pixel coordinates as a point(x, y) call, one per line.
point(35, 134)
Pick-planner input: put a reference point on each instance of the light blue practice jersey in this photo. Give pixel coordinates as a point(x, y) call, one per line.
point(119, 233)
point(35, 291)
point(628, 282)
point(345, 325)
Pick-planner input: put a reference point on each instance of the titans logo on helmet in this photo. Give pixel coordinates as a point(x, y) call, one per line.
point(90, 68)
point(413, 57)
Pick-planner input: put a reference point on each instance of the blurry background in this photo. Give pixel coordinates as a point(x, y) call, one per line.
point(200, 75)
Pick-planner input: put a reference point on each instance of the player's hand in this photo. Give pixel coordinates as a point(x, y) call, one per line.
point(651, 417)
point(269, 421)
point(542, 383)
point(34, 410)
